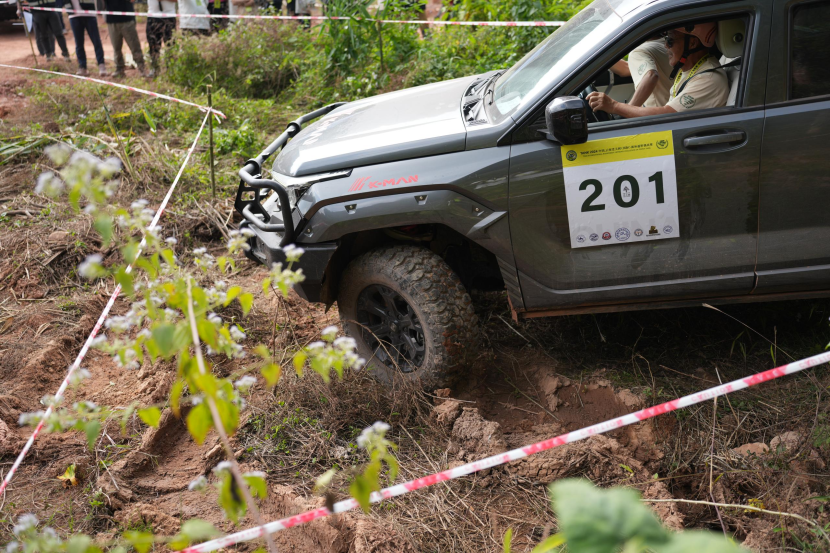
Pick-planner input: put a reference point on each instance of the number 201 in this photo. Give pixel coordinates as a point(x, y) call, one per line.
point(588, 204)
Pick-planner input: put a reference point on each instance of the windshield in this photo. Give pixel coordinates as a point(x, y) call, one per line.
point(541, 65)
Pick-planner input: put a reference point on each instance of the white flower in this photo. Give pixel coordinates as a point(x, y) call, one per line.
point(79, 375)
point(24, 523)
point(214, 319)
point(329, 333)
point(292, 253)
point(345, 343)
point(381, 427)
point(49, 184)
point(223, 466)
point(255, 474)
point(244, 384)
point(59, 153)
point(50, 534)
point(30, 418)
point(200, 251)
point(198, 484)
point(139, 204)
point(91, 267)
point(171, 241)
point(98, 341)
point(12, 547)
point(248, 233)
point(237, 334)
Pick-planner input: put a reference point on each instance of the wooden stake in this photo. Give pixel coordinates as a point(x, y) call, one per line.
point(26, 28)
point(210, 134)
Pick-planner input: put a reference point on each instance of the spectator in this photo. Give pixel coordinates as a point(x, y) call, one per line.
point(159, 29)
point(47, 29)
point(218, 7)
point(194, 25)
point(121, 29)
point(88, 23)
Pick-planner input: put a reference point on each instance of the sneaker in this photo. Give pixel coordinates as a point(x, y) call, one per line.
point(102, 70)
point(119, 74)
point(82, 71)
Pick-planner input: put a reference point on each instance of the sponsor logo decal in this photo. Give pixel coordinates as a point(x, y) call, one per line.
point(365, 181)
point(687, 101)
point(638, 232)
point(653, 231)
point(622, 234)
point(580, 238)
point(662, 144)
point(594, 237)
point(571, 155)
point(668, 229)
point(606, 236)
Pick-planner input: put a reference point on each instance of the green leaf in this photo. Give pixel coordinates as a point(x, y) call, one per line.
point(79, 543)
point(360, 489)
point(103, 224)
point(271, 372)
point(246, 300)
point(91, 429)
point(231, 294)
point(599, 521)
point(150, 121)
point(197, 530)
point(151, 416)
point(141, 541)
point(508, 540)
point(176, 396)
point(550, 544)
point(207, 332)
point(163, 336)
point(199, 422)
point(125, 279)
point(257, 484)
point(299, 362)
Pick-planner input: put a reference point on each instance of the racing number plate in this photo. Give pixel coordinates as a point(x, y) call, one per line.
point(621, 190)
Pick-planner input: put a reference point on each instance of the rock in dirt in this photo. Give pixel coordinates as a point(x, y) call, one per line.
point(550, 385)
point(788, 441)
point(477, 436)
point(745, 450)
point(6, 439)
point(446, 413)
point(58, 237)
point(443, 392)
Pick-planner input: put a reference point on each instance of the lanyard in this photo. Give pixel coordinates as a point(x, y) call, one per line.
point(691, 74)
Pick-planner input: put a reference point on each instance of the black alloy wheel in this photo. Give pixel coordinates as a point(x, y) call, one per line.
point(391, 328)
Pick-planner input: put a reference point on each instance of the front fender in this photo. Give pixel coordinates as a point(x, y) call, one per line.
point(465, 191)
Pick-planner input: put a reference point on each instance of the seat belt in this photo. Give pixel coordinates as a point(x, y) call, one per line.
point(734, 63)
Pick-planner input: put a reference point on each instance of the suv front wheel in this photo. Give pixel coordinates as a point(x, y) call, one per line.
point(409, 313)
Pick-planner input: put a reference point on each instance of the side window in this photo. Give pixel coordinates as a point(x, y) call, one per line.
point(810, 50)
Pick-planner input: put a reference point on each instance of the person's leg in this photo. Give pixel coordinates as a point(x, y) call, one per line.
point(131, 37)
point(154, 36)
point(117, 41)
point(54, 24)
point(168, 29)
point(78, 24)
point(91, 24)
point(41, 44)
point(43, 31)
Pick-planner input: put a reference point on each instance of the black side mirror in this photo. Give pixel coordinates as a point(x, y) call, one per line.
point(567, 120)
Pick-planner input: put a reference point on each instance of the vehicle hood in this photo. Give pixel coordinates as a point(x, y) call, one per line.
point(415, 122)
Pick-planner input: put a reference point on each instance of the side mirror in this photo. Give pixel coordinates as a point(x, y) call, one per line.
point(567, 120)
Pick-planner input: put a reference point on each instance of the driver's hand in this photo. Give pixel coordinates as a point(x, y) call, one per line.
point(601, 102)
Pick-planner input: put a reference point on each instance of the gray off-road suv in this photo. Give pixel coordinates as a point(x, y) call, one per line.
point(509, 181)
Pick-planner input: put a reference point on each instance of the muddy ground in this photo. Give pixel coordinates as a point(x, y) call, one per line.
point(767, 447)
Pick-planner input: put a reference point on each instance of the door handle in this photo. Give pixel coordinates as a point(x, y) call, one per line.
point(722, 138)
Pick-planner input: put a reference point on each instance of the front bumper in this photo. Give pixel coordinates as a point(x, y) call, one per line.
point(265, 249)
point(275, 225)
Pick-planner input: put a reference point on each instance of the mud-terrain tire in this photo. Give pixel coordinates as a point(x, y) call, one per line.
point(434, 297)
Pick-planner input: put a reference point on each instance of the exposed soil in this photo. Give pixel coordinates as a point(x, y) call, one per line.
point(531, 381)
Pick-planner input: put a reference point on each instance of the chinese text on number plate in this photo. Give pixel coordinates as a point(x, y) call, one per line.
point(621, 190)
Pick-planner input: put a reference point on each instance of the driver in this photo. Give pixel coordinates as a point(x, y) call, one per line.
point(697, 83)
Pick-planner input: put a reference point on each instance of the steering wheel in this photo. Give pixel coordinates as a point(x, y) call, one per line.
point(593, 116)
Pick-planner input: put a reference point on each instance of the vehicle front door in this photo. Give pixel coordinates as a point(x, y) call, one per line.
point(697, 238)
point(794, 247)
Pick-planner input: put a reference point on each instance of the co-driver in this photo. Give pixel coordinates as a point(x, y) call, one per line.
point(697, 83)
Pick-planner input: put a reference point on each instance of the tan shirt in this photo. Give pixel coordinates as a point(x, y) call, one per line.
point(710, 90)
point(652, 56)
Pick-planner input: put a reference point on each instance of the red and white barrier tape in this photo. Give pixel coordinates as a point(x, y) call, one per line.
point(74, 367)
point(502, 458)
point(78, 13)
point(119, 85)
